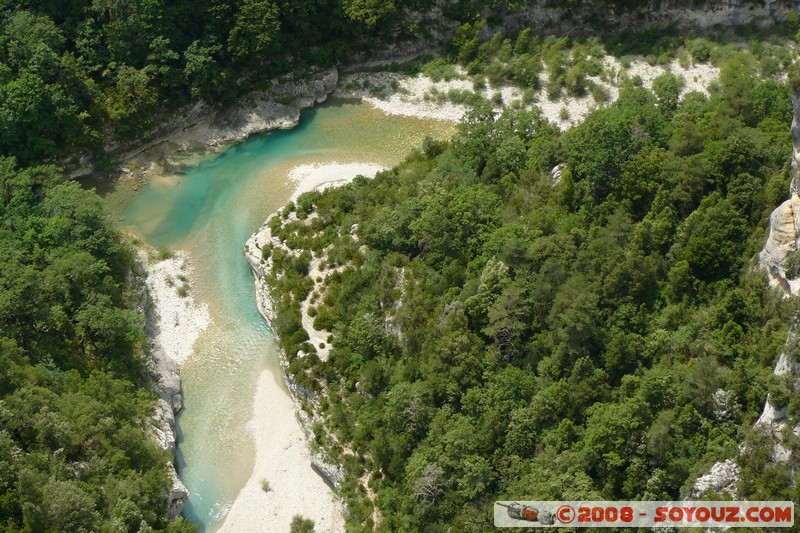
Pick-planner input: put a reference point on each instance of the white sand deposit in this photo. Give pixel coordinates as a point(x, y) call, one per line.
point(399, 94)
point(180, 319)
point(282, 459)
point(321, 176)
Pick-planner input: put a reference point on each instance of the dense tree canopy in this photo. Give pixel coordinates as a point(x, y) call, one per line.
point(73, 454)
point(498, 334)
point(77, 75)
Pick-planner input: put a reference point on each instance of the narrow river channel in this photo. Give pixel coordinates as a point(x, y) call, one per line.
point(209, 209)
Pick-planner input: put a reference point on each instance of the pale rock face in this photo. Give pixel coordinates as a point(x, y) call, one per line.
point(784, 224)
point(772, 419)
point(793, 188)
point(555, 174)
point(177, 496)
point(164, 427)
point(723, 477)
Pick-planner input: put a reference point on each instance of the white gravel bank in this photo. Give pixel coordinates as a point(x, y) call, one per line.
point(282, 459)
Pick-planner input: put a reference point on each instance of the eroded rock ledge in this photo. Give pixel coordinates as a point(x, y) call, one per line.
point(205, 128)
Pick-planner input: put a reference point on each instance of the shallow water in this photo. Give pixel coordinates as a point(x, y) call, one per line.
point(210, 209)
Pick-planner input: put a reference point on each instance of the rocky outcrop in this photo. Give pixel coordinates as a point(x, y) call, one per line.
point(209, 129)
point(332, 474)
point(722, 478)
point(773, 419)
point(784, 223)
point(783, 240)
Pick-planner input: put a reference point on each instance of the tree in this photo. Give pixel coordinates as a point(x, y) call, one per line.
point(254, 31)
point(429, 485)
point(667, 88)
point(130, 100)
point(368, 12)
point(712, 241)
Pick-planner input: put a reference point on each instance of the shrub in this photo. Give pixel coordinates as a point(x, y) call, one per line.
point(599, 93)
point(164, 253)
point(700, 49)
point(792, 265)
point(266, 252)
point(301, 524)
point(440, 69)
point(667, 88)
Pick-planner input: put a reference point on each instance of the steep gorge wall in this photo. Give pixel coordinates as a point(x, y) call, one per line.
point(784, 230)
point(691, 15)
point(782, 243)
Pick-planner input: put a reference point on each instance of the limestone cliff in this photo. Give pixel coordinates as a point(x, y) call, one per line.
point(782, 242)
point(694, 15)
point(784, 227)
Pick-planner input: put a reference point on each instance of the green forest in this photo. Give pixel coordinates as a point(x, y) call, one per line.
point(73, 452)
point(499, 333)
point(79, 76)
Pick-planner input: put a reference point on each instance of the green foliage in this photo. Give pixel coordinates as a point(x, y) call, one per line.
point(69, 72)
point(792, 265)
point(254, 29)
point(73, 455)
point(368, 12)
point(602, 337)
point(301, 524)
point(667, 88)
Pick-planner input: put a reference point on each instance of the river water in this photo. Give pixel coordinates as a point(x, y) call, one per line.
point(209, 209)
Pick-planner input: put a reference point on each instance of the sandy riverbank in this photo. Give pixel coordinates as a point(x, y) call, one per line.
point(317, 177)
point(420, 96)
point(279, 438)
point(282, 459)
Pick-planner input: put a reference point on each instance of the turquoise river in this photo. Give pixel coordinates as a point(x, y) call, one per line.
point(210, 208)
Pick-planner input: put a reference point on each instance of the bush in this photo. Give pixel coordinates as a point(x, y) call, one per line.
point(265, 485)
point(667, 88)
point(165, 253)
point(266, 252)
point(700, 49)
point(792, 265)
point(440, 69)
point(778, 394)
point(599, 93)
point(301, 524)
